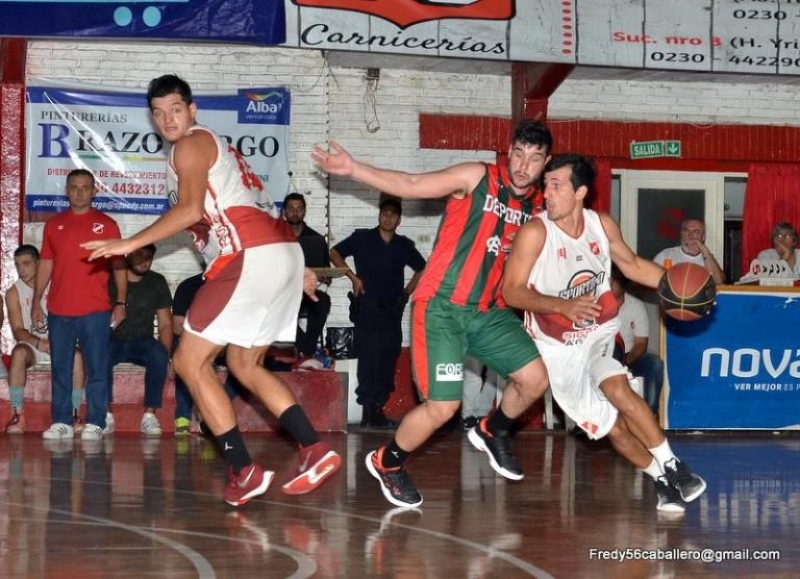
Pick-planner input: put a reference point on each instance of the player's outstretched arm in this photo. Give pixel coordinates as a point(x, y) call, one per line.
point(458, 180)
point(634, 267)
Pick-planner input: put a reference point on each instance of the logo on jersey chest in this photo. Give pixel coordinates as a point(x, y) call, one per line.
point(582, 283)
point(98, 228)
point(509, 215)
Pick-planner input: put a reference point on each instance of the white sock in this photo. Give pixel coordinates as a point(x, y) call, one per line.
point(662, 453)
point(653, 469)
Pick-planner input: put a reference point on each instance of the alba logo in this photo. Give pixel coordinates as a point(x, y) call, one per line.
point(264, 103)
point(404, 13)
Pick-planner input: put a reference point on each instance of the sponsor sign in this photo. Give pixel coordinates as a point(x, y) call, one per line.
point(738, 367)
point(111, 134)
point(260, 21)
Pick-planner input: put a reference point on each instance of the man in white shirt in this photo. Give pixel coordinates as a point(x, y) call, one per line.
point(635, 332)
point(691, 250)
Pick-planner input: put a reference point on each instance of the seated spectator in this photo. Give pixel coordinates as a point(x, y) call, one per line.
point(691, 250)
point(184, 295)
point(315, 251)
point(784, 247)
point(635, 333)
point(33, 345)
point(133, 340)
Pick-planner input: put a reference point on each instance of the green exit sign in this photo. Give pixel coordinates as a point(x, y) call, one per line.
point(654, 149)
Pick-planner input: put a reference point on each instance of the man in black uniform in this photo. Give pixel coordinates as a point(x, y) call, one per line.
point(380, 257)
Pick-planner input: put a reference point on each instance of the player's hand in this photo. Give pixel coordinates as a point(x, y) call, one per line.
point(580, 309)
point(358, 286)
point(337, 161)
point(108, 247)
point(38, 322)
point(118, 315)
point(310, 284)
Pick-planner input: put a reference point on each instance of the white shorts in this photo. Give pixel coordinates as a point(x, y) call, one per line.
point(253, 300)
point(575, 376)
point(39, 357)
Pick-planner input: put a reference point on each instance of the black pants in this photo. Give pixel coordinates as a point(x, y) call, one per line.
point(377, 340)
point(316, 314)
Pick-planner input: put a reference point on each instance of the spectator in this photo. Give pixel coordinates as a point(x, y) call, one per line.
point(691, 250)
point(784, 247)
point(33, 346)
point(133, 340)
point(381, 256)
point(315, 252)
point(480, 392)
point(78, 305)
point(635, 332)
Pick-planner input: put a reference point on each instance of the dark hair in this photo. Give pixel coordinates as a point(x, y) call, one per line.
point(582, 169)
point(295, 197)
point(151, 247)
point(166, 85)
point(784, 227)
point(27, 249)
point(80, 173)
point(387, 202)
point(532, 132)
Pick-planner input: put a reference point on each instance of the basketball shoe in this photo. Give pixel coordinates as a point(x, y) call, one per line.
point(251, 482)
point(317, 464)
point(689, 484)
point(669, 499)
point(498, 449)
point(395, 483)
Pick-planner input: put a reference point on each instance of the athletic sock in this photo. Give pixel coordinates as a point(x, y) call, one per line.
point(653, 470)
point(393, 456)
point(662, 453)
point(77, 398)
point(233, 449)
point(296, 423)
point(16, 395)
point(499, 423)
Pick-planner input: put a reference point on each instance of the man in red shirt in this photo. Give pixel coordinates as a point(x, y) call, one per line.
point(78, 304)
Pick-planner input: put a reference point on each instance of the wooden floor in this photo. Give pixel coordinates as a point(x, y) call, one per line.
point(132, 508)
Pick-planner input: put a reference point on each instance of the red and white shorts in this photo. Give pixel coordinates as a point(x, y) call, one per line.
point(253, 300)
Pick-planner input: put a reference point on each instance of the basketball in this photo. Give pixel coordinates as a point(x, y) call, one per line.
point(687, 292)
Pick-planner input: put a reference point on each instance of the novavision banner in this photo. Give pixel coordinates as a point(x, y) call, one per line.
point(257, 21)
point(738, 367)
point(111, 134)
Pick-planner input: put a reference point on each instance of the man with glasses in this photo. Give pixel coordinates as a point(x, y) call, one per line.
point(691, 250)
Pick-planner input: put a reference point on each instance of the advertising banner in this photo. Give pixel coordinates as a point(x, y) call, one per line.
point(257, 21)
point(738, 367)
point(111, 134)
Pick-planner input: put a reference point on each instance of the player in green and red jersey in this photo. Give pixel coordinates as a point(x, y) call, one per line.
point(457, 306)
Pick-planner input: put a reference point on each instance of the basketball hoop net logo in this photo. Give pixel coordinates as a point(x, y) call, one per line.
point(404, 13)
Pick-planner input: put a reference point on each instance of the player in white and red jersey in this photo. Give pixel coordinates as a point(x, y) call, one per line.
point(254, 283)
point(559, 274)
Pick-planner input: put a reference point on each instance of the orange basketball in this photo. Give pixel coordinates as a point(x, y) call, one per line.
point(687, 292)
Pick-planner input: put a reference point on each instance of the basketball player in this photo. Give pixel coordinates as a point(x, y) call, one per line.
point(254, 283)
point(559, 274)
point(457, 308)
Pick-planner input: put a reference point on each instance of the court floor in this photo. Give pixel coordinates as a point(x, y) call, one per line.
point(131, 507)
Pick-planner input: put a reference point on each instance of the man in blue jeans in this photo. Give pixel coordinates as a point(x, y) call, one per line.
point(133, 340)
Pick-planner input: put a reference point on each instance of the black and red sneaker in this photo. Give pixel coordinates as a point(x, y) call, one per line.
point(395, 483)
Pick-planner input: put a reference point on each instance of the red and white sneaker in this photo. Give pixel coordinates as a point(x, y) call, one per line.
point(251, 482)
point(317, 464)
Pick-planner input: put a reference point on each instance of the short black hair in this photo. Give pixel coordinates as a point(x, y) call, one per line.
point(151, 247)
point(391, 202)
point(582, 169)
point(80, 173)
point(532, 132)
point(27, 249)
point(166, 85)
point(295, 197)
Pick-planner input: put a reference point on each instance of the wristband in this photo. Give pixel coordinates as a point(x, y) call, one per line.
point(123, 304)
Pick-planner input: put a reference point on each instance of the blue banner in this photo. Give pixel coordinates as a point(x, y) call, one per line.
point(256, 21)
point(738, 367)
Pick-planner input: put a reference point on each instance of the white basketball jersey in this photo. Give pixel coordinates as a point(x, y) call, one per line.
point(25, 293)
point(568, 268)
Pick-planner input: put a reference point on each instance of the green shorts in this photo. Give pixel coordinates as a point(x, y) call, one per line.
point(442, 334)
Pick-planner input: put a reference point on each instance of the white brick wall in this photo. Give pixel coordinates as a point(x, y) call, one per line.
point(331, 103)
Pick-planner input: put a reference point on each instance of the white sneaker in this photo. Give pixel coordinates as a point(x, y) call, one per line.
point(92, 432)
point(150, 425)
point(109, 429)
point(58, 431)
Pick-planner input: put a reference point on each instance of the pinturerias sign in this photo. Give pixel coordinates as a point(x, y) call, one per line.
point(405, 13)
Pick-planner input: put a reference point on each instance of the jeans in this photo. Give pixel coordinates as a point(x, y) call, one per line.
point(651, 369)
point(147, 352)
point(92, 332)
